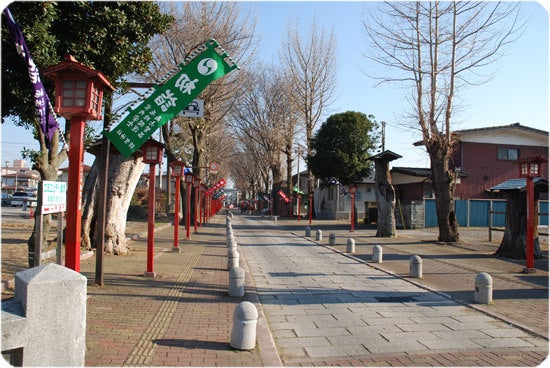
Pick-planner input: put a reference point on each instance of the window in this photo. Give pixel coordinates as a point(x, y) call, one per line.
point(510, 154)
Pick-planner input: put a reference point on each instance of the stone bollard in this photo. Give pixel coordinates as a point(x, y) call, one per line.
point(332, 239)
point(243, 333)
point(308, 231)
point(415, 267)
point(319, 235)
point(275, 218)
point(47, 317)
point(377, 254)
point(483, 292)
point(232, 258)
point(236, 282)
point(351, 246)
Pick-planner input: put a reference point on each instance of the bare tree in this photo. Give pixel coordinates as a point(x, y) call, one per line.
point(195, 23)
point(258, 119)
point(435, 49)
point(310, 62)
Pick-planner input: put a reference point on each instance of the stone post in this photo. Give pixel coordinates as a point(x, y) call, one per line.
point(377, 254)
point(350, 246)
point(243, 333)
point(308, 231)
point(319, 235)
point(233, 258)
point(236, 281)
point(483, 292)
point(332, 239)
point(52, 328)
point(415, 267)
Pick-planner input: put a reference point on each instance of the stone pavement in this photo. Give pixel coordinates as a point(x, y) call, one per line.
point(318, 306)
point(182, 317)
point(325, 308)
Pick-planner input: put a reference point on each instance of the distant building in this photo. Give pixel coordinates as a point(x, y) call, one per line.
point(19, 177)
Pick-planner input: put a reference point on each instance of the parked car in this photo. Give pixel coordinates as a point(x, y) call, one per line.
point(19, 197)
point(6, 199)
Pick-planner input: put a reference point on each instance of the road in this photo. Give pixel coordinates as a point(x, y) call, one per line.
point(323, 306)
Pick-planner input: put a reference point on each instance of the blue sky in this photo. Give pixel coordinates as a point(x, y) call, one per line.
point(517, 93)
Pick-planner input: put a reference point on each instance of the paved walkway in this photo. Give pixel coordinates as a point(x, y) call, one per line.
point(183, 317)
point(324, 308)
point(317, 306)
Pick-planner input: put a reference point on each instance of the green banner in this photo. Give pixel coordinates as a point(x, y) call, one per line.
point(171, 98)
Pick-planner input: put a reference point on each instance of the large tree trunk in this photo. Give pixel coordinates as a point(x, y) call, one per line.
point(513, 244)
point(123, 176)
point(385, 198)
point(443, 185)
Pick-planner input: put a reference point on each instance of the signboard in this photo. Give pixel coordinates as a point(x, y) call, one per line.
point(54, 197)
point(283, 196)
point(168, 99)
point(194, 110)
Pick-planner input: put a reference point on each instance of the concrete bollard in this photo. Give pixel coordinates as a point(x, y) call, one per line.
point(236, 282)
point(483, 292)
point(415, 267)
point(351, 246)
point(332, 239)
point(275, 218)
point(232, 258)
point(245, 320)
point(308, 231)
point(319, 235)
point(377, 254)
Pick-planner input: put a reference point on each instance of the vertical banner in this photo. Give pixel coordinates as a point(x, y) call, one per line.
point(171, 98)
point(44, 113)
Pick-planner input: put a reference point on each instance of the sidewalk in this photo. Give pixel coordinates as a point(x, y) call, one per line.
point(183, 317)
point(450, 269)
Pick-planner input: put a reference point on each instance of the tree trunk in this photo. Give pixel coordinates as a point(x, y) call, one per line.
point(443, 185)
point(89, 205)
point(124, 174)
point(513, 244)
point(385, 198)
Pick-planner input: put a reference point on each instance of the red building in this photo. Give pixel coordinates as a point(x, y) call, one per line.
point(487, 156)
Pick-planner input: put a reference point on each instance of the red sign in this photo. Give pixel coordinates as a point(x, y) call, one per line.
point(283, 196)
point(215, 187)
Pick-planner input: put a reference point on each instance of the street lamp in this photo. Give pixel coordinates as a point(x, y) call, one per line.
point(152, 155)
point(189, 181)
point(529, 168)
point(78, 97)
point(177, 172)
point(352, 189)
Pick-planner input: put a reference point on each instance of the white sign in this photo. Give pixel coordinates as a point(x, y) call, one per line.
point(194, 110)
point(54, 196)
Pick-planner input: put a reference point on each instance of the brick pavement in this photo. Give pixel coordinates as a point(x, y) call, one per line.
point(183, 317)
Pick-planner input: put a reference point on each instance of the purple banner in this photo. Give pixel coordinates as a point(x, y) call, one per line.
point(48, 123)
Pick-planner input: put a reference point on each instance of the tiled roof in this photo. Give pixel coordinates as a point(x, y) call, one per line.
point(519, 184)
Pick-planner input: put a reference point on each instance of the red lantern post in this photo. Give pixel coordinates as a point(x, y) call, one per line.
point(196, 186)
point(189, 181)
point(529, 168)
point(352, 189)
point(152, 155)
point(177, 172)
point(79, 97)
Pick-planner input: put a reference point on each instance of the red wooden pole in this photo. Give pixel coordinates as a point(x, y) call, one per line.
point(196, 207)
point(74, 194)
point(530, 242)
point(188, 211)
point(177, 215)
point(151, 224)
point(352, 214)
